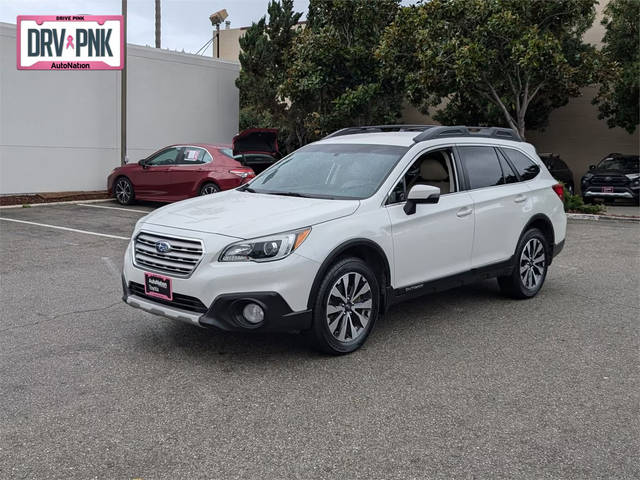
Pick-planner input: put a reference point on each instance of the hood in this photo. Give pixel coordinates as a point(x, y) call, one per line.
point(248, 215)
point(257, 140)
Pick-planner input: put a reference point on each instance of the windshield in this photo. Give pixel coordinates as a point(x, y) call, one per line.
point(630, 163)
point(330, 171)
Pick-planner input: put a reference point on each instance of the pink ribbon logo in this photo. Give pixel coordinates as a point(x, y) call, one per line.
point(69, 42)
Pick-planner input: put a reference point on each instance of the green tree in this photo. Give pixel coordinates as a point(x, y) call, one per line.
point(492, 61)
point(335, 80)
point(619, 76)
point(264, 60)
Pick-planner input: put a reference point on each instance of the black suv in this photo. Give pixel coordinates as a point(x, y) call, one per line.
point(559, 169)
point(616, 176)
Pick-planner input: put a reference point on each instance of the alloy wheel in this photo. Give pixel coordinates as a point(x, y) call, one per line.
point(208, 189)
point(123, 191)
point(349, 307)
point(532, 264)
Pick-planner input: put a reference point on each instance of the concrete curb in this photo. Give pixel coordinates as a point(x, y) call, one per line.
point(604, 218)
point(45, 204)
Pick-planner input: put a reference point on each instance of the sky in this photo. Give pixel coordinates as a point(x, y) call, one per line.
point(185, 23)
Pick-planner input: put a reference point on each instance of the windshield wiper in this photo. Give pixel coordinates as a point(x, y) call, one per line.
point(247, 188)
point(290, 194)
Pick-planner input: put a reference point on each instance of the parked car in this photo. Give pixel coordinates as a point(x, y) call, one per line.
point(257, 148)
point(336, 232)
point(615, 177)
point(177, 172)
point(559, 169)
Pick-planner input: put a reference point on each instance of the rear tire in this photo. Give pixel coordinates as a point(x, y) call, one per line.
point(209, 188)
point(530, 268)
point(346, 307)
point(123, 191)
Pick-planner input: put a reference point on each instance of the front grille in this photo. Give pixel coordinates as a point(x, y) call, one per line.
point(180, 261)
point(183, 302)
point(609, 180)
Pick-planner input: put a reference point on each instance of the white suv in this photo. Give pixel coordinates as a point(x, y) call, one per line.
point(328, 238)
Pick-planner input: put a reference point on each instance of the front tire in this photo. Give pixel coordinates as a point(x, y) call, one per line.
point(123, 191)
point(530, 269)
point(346, 307)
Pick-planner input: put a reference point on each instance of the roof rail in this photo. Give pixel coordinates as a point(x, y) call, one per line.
point(463, 131)
point(379, 128)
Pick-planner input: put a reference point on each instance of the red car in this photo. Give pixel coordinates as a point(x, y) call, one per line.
point(178, 172)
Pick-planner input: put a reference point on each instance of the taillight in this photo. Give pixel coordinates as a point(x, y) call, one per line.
point(242, 172)
point(559, 189)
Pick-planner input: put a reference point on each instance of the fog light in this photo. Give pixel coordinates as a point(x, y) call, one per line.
point(253, 313)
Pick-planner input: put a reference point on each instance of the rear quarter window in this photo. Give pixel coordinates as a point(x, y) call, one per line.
point(523, 165)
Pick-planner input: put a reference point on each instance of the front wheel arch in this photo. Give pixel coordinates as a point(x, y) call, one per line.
point(365, 249)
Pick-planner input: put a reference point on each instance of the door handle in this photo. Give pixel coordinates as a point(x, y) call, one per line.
point(464, 212)
point(520, 198)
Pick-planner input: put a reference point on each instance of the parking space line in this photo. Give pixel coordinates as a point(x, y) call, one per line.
point(65, 228)
point(114, 208)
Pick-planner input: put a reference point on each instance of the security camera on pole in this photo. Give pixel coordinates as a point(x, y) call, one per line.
point(216, 19)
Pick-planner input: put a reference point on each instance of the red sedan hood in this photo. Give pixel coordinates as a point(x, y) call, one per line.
point(257, 140)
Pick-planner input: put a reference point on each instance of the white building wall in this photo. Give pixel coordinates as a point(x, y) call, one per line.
point(60, 130)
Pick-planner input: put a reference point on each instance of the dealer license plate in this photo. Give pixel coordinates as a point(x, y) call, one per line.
point(158, 286)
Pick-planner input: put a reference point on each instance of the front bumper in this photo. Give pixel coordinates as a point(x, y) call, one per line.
point(225, 312)
point(618, 192)
point(216, 292)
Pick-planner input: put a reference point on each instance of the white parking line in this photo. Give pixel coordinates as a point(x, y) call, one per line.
point(65, 228)
point(114, 208)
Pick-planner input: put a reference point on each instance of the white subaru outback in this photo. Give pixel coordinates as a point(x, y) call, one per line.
point(328, 238)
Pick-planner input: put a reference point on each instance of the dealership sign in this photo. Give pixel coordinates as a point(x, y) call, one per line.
point(71, 42)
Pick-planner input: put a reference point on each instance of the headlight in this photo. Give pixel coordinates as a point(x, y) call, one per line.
point(587, 177)
point(265, 249)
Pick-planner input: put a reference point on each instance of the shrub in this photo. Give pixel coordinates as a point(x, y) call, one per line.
point(574, 203)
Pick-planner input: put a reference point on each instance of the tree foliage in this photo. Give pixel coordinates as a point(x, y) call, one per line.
point(335, 79)
point(494, 61)
point(318, 78)
point(618, 97)
point(265, 59)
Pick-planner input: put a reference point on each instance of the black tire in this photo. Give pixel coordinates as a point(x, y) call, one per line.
point(587, 200)
point(209, 188)
point(347, 319)
point(528, 275)
point(123, 191)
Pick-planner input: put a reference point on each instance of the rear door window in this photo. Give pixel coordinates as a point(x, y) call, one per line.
point(482, 166)
point(525, 168)
point(193, 156)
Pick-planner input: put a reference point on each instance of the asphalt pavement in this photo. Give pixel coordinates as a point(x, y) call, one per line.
point(462, 384)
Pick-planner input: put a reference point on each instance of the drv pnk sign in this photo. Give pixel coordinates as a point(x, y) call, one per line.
point(70, 42)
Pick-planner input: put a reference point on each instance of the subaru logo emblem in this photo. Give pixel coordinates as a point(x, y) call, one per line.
point(607, 179)
point(163, 247)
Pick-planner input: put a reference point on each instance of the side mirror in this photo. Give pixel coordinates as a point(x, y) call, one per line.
point(421, 194)
point(592, 167)
point(143, 163)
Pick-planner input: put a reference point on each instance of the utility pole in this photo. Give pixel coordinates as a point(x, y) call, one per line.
point(158, 14)
point(123, 91)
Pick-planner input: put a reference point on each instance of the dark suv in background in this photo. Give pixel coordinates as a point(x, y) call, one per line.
point(617, 176)
point(559, 169)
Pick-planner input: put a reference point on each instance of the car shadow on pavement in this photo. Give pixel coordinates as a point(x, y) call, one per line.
point(421, 314)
